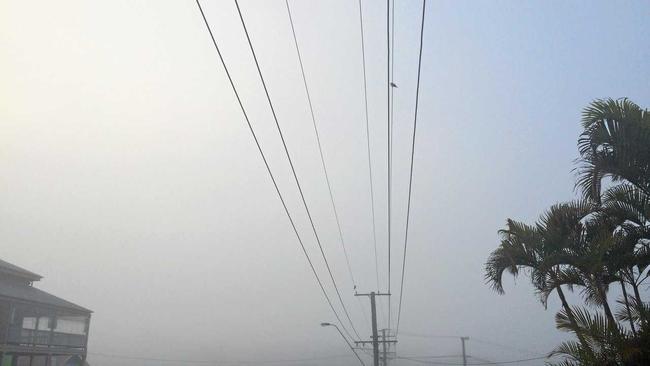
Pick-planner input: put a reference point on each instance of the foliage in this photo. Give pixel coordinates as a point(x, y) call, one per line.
point(614, 144)
point(593, 243)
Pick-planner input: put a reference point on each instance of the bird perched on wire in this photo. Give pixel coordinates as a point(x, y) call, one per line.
point(392, 84)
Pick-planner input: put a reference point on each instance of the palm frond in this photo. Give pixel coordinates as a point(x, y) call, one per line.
point(613, 144)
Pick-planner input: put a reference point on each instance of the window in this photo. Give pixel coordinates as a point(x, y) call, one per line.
point(44, 323)
point(71, 325)
point(29, 322)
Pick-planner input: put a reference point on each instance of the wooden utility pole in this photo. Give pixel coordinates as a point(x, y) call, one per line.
point(375, 337)
point(385, 356)
point(462, 340)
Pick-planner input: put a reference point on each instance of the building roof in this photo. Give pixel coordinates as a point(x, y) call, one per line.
point(31, 294)
point(22, 290)
point(7, 268)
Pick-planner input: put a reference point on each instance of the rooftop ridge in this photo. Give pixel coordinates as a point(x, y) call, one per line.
point(13, 270)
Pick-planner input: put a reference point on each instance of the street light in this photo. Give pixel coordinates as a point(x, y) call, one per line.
point(345, 339)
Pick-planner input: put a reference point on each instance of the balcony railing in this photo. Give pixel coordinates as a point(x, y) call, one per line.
point(68, 340)
point(45, 338)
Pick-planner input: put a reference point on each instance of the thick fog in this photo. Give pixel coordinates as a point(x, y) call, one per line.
point(130, 181)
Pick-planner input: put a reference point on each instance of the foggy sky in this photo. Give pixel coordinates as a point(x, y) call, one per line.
point(131, 182)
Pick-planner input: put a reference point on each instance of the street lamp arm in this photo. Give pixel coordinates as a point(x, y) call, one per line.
point(345, 339)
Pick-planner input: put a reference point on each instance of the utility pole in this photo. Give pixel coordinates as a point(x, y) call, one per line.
point(375, 337)
point(375, 341)
point(385, 356)
point(462, 340)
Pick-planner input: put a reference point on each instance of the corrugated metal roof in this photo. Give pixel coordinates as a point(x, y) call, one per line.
point(29, 293)
point(14, 270)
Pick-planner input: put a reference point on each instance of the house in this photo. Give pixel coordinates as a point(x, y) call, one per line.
point(37, 328)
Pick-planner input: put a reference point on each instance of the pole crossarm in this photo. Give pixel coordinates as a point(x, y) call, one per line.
point(369, 342)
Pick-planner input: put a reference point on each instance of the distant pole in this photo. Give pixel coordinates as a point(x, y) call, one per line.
point(375, 337)
point(462, 340)
point(383, 338)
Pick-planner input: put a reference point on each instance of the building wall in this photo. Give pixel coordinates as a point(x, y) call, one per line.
point(5, 308)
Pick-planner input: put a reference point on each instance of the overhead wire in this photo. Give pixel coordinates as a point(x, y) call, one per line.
point(293, 170)
point(388, 157)
point(504, 346)
point(474, 339)
point(322, 158)
point(436, 356)
point(508, 361)
point(392, 87)
point(256, 140)
point(209, 362)
point(320, 147)
point(268, 168)
point(480, 359)
point(367, 118)
point(392, 73)
point(415, 359)
point(408, 334)
point(408, 207)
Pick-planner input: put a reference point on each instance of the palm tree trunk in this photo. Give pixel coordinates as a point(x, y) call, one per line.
point(565, 304)
point(572, 318)
point(608, 310)
point(635, 286)
point(636, 292)
point(627, 307)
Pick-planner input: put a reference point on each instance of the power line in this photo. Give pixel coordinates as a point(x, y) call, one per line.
point(479, 359)
point(392, 70)
point(415, 359)
point(365, 97)
point(268, 169)
point(322, 159)
point(388, 160)
point(320, 147)
point(293, 170)
point(392, 90)
point(208, 362)
point(474, 339)
point(430, 336)
point(509, 361)
point(392, 96)
point(408, 207)
point(491, 343)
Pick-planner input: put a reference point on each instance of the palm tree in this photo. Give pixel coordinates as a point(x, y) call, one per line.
point(614, 144)
point(594, 242)
point(628, 208)
point(538, 249)
point(586, 264)
point(605, 344)
point(572, 244)
point(583, 244)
